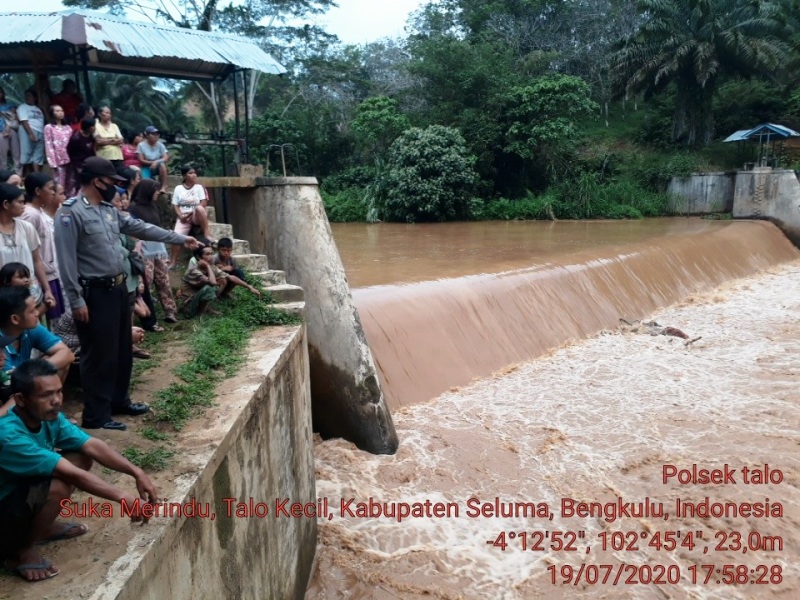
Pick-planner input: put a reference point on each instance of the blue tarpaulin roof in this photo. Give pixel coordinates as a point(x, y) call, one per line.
point(54, 41)
point(765, 131)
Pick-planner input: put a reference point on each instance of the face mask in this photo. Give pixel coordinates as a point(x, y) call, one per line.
point(108, 193)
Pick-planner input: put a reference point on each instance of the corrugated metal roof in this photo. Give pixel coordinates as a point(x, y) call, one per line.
point(737, 136)
point(765, 130)
point(773, 130)
point(120, 45)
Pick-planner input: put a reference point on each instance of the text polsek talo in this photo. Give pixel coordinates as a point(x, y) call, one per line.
point(726, 475)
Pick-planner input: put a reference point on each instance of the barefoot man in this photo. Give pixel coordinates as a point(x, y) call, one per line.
point(35, 478)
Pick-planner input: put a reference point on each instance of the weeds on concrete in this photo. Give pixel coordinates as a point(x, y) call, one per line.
point(217, 346)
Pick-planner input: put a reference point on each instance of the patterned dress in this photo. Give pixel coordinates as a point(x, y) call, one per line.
point(55, 148)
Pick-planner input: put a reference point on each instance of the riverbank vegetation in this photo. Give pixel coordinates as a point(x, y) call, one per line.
point(495, 109)
point(206, 350)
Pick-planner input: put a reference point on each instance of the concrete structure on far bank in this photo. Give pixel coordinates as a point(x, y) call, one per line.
point(284, 218)
point(761, 193)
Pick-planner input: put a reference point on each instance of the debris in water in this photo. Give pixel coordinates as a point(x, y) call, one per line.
point(651, 328)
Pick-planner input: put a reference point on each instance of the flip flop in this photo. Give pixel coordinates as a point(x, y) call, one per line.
point(44, 565)
point(64, 534)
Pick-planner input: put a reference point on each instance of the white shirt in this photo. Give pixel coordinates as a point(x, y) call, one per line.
point(33, 115)
point(187, 199)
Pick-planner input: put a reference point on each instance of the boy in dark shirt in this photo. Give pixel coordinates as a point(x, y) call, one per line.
point(224, 260)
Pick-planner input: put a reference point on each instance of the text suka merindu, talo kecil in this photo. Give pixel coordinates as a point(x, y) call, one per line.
point(473, 507)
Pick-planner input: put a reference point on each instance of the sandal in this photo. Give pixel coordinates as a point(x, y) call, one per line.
point(157, 328)
point(44, 565)
point(78, 529)
point(139, 353)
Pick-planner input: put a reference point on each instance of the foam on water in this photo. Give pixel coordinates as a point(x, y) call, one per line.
point(592, 421)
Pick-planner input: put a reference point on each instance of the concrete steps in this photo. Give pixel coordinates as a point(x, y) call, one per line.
point(271, 277)
point(293, 308)
point(220, 230)
point(287, 297)
point(240, 246)
point(286, 293)
point(252, 262)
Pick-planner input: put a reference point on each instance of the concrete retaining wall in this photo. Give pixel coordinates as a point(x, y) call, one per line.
point(770, 194)
point(265, 453)
point(702, 193)
point(285, 219)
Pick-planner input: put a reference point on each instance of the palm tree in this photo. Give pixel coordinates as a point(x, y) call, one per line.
point(693, 44)
point(136, 101)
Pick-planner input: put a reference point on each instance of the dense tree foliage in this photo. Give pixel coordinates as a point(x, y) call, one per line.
point(552, 108)
point(429, 176)
point(695, 44)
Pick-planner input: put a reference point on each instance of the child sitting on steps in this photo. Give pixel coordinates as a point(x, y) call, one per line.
point(204, 282)
point(225, 262)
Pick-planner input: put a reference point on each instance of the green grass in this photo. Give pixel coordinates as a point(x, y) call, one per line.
point(156, 459)
point(217, 346)
point(153, 434)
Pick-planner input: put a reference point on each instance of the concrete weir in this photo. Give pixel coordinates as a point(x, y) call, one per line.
point(285, 219)
point(760, 193)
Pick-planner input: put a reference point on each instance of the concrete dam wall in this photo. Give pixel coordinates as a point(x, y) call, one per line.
point(770, 194)
point(285, 219)
point(702, 193)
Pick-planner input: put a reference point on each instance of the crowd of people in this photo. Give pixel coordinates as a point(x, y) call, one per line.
point(82, 254)
point(64, 131)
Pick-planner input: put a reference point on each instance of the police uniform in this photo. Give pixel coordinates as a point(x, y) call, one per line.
point(91, 268)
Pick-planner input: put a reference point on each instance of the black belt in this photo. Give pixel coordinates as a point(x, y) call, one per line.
point(102, 282)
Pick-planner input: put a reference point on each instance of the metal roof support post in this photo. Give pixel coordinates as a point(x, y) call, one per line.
point(224, 189)
point(236, 105)
point(88, 88)
point(236, 112)
point(246, 149)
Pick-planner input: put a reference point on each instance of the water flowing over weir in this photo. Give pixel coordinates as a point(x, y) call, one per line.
point(430, 336)
point(591, 422)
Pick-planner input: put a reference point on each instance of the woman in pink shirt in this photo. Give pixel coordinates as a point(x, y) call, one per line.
point(56, 136)
point(130, 157)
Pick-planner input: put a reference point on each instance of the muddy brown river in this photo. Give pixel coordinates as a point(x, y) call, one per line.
point(536, 437)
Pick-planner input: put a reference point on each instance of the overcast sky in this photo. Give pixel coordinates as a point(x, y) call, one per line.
point(355, 21)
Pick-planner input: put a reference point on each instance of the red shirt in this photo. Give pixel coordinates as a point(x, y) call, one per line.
point(129, 156)
point(69, 102)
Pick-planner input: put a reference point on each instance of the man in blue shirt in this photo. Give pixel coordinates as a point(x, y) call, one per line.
point(36, 481)
point(19, 320)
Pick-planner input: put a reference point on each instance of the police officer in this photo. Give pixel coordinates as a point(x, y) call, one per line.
point(87, 230)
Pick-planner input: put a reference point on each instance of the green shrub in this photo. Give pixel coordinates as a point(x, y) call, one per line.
point(345, 206)
point(429, 176)
point(523, 209)
point(654, 171)
point(589, 197)
point(623, 211)
point(354, 177)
